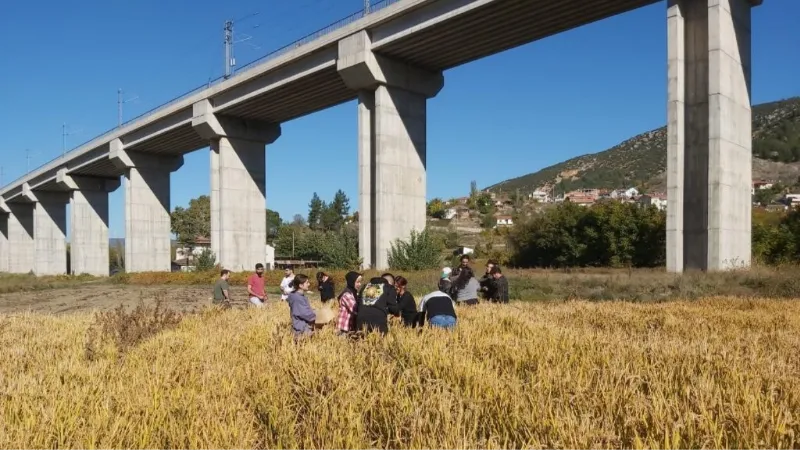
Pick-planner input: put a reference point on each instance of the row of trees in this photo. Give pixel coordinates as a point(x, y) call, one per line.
point(611, 234)
point(329, 235)
point(194, 221)
point(776, 237)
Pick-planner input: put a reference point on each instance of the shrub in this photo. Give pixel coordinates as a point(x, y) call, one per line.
point(609, 234)
point(421, 251)
point(127, 329)
point(205, 261)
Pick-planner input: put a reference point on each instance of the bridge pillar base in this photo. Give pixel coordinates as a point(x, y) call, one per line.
point(709, 138)
point(50, 233)
point(146, 182)
point(21, 249)
point(238, 185)
point(89, 222)
point(4, 251)
point(392, 145)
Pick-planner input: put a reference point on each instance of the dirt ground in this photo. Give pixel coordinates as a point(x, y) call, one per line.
point(97, 297)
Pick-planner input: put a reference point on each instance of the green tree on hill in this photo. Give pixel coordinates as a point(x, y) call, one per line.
point(436, 208)
point(315, 208)
point(192, 222)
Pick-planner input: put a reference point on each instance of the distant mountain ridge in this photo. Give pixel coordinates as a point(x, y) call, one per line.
point(641, 160)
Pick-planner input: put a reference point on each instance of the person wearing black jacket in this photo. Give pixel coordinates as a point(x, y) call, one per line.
point(500, 294)
point(487, 281)
point(325, 287)
point(406, 303)
point(378, 299)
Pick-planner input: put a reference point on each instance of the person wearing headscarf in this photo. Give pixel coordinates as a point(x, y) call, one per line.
point(346, 321)
point(445, 283)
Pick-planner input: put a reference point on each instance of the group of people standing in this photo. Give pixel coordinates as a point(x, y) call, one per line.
point(365, 305)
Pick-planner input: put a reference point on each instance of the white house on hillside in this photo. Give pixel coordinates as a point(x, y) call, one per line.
point(624, 193)
point(657, 200)
point(540, 196)
point(503, 220)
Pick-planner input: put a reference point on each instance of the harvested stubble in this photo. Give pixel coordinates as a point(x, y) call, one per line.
point(711, 373)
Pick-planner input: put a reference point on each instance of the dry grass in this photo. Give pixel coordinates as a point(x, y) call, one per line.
point(710, 373)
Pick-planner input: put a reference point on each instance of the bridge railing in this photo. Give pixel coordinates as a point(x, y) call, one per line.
point(341, 23)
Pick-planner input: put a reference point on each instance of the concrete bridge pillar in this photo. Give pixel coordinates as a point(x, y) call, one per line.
point(4, 212)
point(392, 144)
point(238, 185)
point(147, 206)
point(21, 251)
point(36, 232)
point(89, 220)
point(709, 137)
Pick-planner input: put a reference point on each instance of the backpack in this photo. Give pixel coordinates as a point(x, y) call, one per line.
point(372, 293)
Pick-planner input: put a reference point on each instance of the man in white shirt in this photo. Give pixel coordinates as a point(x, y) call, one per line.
point(286, 283)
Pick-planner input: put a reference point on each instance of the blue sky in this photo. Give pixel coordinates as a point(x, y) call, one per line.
point(579, 92)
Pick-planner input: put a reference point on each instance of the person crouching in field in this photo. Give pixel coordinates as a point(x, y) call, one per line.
point(378, 299)
point(302, 315)
point(346, 322)
point(445, 283)
point(439, 308)
point(325, 287)
point(406, 303)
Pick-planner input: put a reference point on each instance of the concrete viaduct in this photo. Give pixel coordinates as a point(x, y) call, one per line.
point(392, 61)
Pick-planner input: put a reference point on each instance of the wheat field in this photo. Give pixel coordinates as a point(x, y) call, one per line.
point(712, 373)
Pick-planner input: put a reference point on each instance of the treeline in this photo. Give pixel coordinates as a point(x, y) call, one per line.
point(609, 234)
point(613, 234)
point(776, 237)
point(329, 234)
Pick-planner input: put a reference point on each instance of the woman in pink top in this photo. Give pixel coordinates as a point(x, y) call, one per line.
point(346, 323)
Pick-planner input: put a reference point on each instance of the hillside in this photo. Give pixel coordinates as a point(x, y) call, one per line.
point(641, 160)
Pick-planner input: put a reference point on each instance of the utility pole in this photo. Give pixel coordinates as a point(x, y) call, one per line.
point(120, 102)
point(64, 134)
point(230, 58)
point(229, 61)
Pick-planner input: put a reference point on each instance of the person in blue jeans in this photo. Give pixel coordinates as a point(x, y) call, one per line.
point(439, 308)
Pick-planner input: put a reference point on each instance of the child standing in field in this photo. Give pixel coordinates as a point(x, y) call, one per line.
point(302, 315)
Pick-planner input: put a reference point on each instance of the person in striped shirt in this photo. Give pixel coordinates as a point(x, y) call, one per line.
point(346, 322)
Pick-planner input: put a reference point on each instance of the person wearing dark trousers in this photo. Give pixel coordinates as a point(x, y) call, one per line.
point(325, 287)
point(406, 303)
point(439, 309)
point(501, 286)
point(377, 300)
